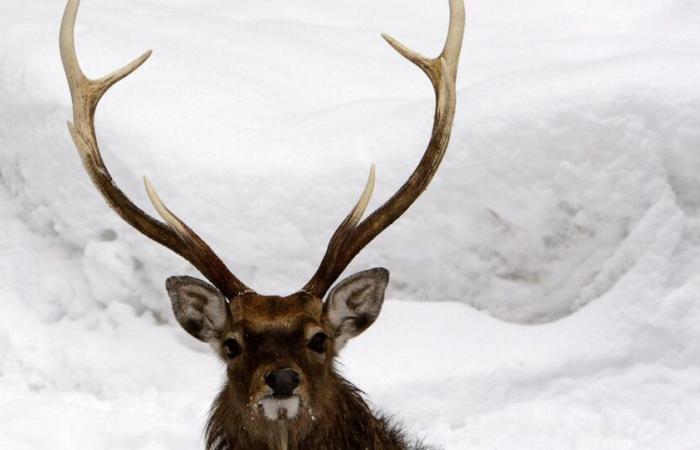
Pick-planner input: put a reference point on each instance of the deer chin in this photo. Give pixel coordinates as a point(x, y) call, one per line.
point(280, 408)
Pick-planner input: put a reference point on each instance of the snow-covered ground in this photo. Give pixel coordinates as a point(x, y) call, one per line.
point(545, 290)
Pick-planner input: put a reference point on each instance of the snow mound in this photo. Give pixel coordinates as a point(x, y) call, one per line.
point(556, 254)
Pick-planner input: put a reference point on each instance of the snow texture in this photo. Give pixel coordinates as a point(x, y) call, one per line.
point(545, 289)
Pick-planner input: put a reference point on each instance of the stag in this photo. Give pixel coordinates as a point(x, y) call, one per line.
point(282, 390)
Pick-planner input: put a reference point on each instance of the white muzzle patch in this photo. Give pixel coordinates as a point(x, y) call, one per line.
point(280, 408)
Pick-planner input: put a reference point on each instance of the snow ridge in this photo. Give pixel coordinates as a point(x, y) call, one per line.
point(555, 256)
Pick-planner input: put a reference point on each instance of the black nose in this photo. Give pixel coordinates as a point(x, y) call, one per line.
point(283, 382)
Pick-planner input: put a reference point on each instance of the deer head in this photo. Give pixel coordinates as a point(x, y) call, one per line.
point(278, 351)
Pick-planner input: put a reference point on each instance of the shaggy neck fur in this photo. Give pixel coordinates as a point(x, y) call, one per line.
point(348, 424)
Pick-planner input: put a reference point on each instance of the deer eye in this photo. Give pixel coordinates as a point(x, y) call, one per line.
point(318, 342)
point(232, 347)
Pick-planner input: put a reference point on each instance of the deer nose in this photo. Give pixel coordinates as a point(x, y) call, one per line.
point(283, 382)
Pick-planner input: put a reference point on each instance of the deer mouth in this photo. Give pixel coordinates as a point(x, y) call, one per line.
point(280, 407)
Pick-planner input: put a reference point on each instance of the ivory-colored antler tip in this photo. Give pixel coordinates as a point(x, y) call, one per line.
point(398, 46)
point(150, 190)
point(155, 198)
point(390, 39)
point(133, 65)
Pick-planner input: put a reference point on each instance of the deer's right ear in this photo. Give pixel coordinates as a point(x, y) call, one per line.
point(199, 307)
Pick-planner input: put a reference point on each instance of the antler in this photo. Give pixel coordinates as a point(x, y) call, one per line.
point(352, 235)
point(174, 233)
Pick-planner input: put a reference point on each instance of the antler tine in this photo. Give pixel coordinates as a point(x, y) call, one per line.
point(358, 211)
point(175, 235)
point(350, 223)
point(450, 51)
point(175, 223)
point(349, 240)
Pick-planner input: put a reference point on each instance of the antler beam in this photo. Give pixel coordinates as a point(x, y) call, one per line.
point(352, 235)
point(174, 234)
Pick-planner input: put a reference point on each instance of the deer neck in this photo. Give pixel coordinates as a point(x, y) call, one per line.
point(282, 438)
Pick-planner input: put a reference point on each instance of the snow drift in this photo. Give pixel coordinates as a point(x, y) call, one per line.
point(569, 198)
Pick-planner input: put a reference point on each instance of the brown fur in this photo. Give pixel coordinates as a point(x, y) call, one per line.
point(332, 415)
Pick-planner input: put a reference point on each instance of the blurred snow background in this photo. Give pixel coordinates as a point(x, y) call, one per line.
point(545, 290)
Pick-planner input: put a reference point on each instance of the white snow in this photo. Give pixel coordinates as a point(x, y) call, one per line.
point(545, 289)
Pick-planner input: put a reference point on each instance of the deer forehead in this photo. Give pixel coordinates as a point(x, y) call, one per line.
point(261, 313)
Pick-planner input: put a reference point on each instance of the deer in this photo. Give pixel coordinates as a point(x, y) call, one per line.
point(282, 390)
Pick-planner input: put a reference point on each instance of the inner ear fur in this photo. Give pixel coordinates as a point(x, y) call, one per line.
point(199, 307)
point(355, 303)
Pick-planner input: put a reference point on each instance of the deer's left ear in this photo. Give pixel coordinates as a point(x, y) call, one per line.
point(354, 304)
point(199, 307)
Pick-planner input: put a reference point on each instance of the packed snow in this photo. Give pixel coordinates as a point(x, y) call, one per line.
point(545, 289)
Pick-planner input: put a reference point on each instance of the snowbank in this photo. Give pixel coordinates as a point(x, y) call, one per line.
point(571, 181)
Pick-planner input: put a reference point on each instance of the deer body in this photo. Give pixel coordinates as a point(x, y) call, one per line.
point(282, 391)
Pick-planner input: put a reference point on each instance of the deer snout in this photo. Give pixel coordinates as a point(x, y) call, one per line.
point(283, 382)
